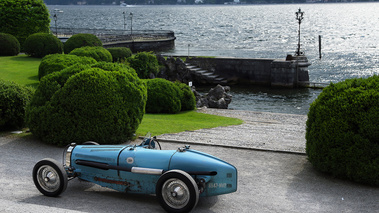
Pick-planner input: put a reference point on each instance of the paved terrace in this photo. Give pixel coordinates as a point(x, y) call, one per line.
point(260, 131)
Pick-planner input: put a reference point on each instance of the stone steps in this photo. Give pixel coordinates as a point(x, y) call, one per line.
point(206, 75)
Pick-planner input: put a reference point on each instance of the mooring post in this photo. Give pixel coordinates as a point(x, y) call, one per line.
point(319, 45)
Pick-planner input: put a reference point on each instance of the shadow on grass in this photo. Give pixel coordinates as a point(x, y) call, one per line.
point(35, 84)
point(22, 58)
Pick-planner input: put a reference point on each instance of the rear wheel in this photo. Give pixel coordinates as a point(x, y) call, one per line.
point(50, 177)
point(177, 191)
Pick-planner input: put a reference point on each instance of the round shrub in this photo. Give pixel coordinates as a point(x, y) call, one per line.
point(120, 54)
point(145, 64)
point(23, 18)
point(162, 96)
point(81, 104)
point(9, 45)
point(57, 62)
point(187, 98)
point(41, 44)
point(97, 53)
point(81, 40)
point(13, 101)
point(342, 133)
point(51, 83)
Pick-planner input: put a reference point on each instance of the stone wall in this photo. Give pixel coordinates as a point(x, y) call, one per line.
point(140, 46)
point(269, 72)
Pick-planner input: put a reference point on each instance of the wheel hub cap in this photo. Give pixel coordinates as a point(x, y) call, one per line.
point(176, 193)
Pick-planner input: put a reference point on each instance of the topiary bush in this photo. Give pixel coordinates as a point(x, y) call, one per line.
point(57, 62)
point(41, 44)
point(342, 133)
point(13, 101)
point(162, 96)
point(23, 18)
point(145, 64)
point(9, 45)
point(83, 103)
point(187, 98)
point(81, 40)
point(120, 54)
point(53, 82)
point(97, 53)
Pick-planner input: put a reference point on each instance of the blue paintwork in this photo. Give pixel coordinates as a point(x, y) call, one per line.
point(137, 156)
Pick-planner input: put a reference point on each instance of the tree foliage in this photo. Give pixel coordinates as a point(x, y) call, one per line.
point(22, 18)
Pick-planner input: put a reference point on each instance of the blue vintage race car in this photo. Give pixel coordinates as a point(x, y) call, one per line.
point(177, 177)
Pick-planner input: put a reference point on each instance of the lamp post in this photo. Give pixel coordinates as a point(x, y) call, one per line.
point(131, 23)
point(124, 20)
point(56, 28)
point(299, 18)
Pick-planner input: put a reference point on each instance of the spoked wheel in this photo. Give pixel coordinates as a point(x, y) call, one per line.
point(50, 177)
point(177, 191)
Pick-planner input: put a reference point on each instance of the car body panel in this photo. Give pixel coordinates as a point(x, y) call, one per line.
point(136, 169)
point(194, 161)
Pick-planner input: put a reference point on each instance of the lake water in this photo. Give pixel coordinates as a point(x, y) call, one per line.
point(350, 39)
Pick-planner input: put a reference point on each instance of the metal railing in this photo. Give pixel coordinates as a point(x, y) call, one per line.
point(112, 35)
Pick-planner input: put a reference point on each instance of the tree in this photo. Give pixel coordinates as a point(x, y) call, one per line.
point(22, 18)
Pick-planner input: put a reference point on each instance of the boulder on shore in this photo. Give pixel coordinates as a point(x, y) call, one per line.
point(217, 97)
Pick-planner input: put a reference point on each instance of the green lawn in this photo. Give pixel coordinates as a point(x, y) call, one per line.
point(20, 69)
point(158, 124)
point(24, 70)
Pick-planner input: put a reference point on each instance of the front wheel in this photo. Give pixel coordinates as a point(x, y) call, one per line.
point(177, 191)
point(50, 177)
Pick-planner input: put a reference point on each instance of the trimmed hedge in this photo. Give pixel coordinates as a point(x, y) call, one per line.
point(120, 54)
point(343, 130)
point(97, 53)
point(9, 45)
point(81, 104)
point(187, 98)
point(81, 40)
point(145, 64)
point(163, 96)
point(57, 62)
point(13, 101)
point(53, 82)
point(41, 44)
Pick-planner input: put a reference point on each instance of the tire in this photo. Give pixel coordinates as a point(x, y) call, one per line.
point(50, 177)
point(90, 143)
point(177, 191)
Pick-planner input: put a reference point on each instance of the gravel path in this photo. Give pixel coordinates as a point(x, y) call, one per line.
point(260, 130)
